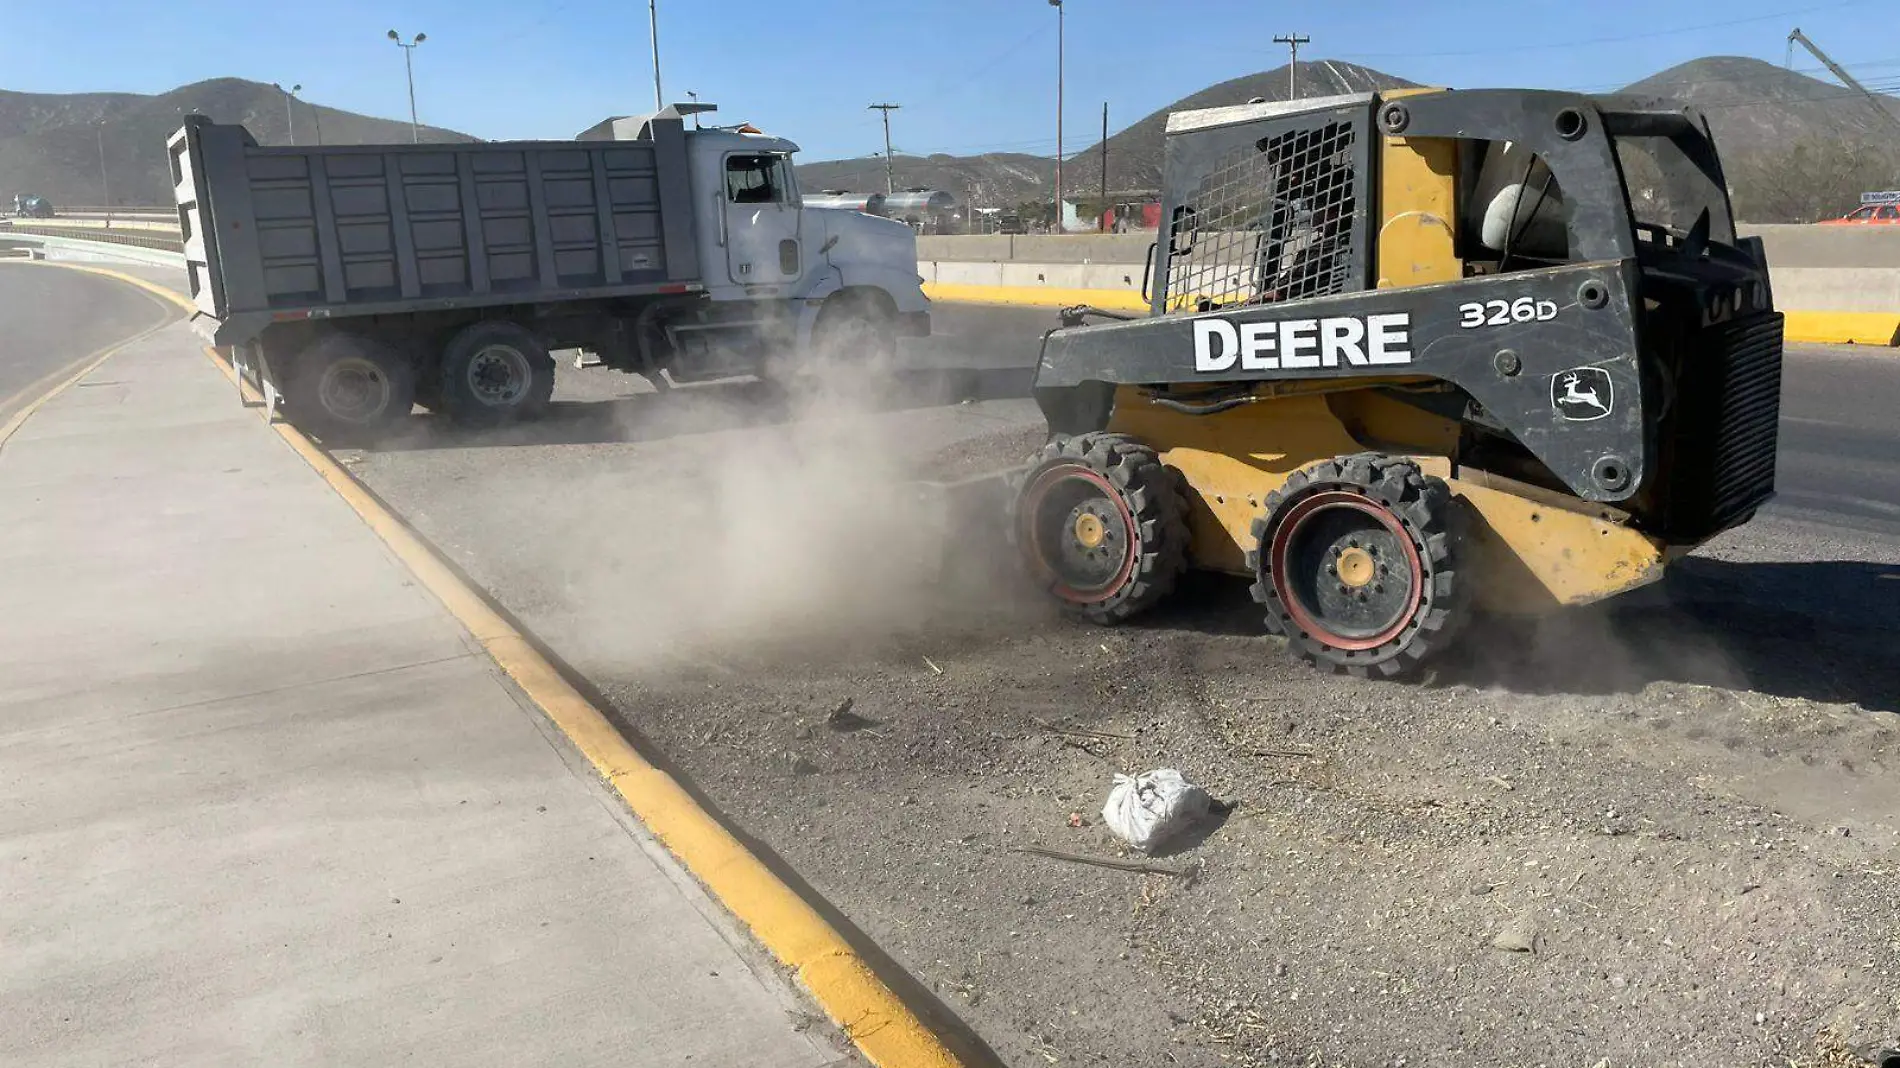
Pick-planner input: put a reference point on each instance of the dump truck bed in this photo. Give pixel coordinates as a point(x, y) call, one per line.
point(274, 234)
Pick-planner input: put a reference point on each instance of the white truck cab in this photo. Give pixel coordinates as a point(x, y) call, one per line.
point(853, 277)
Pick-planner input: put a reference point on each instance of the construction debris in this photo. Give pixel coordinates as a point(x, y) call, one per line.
point(1149, 809)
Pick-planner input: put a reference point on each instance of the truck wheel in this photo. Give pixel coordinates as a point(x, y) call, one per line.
point(345, 385)
point(494, 372)
point(1101, 525)
point(1355, 560)
point(856, 329)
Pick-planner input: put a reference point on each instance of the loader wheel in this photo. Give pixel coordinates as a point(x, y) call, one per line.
point(1354, 561)
point(1101, 525)
point(494, 372)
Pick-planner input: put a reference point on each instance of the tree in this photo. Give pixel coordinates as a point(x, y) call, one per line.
point(1808, 181)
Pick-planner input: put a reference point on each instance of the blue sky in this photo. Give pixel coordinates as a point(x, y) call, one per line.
point(972, 75)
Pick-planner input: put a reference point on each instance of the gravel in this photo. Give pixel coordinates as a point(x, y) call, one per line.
point(1647, 797)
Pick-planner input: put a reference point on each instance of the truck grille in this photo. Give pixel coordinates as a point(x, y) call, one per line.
point(1726, 427)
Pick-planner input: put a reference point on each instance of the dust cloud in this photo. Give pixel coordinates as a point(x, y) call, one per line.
point(800, 528)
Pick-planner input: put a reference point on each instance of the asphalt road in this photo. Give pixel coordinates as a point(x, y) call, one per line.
point(57, 319)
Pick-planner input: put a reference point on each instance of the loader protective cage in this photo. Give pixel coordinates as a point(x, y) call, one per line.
point(1552, 354)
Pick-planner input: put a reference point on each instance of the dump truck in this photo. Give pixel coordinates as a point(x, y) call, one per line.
point(354, 281)
point(1409, 356)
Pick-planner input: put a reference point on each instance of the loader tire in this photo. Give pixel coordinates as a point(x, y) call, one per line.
point(349, 388)
point(1355, 560)
point(494, 372)
point(1101, 525)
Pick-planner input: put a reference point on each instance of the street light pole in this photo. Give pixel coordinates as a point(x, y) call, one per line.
point(409, 67)
point(1060, 19)
point(653, 31)
point(290, 115)
point(105, 183)
point(694, 97)
point(890, 176)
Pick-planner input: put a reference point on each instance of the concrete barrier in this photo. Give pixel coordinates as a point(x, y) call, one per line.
point(1836, 284)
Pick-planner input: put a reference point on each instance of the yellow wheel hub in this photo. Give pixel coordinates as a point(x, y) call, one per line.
point(1089, 530)
point(1356, 567)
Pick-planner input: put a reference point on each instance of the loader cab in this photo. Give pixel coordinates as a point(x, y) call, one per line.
point(1421, 190)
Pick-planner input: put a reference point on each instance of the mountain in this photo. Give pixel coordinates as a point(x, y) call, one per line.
point(51, 144)
point(1795, 148)
point(1134, 154)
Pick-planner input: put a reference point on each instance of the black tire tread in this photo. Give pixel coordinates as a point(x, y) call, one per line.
point(449, 395)
point(1155, 496)
point(1426, 507)
point(307, 413)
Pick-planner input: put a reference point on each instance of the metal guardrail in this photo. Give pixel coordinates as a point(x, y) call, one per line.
point(145, 248)
point(139, 238)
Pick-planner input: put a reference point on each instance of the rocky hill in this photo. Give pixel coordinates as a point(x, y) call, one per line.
point(1796, 148)
point(50, 143)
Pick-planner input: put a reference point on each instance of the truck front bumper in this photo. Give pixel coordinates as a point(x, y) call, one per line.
point(914, 324)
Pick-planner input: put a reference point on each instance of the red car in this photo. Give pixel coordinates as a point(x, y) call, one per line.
point(1868, 214)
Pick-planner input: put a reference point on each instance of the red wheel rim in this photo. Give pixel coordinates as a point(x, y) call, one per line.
point(1287, 531)
point(1030, 527)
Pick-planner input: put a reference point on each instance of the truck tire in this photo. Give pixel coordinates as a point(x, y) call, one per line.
point(346, 386)
point(494, 372)
point(855, 328)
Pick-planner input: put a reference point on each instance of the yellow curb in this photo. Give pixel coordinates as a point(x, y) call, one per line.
point(1034, 296)
point(85, 364)
point(1842, 328)
point(884, 1028)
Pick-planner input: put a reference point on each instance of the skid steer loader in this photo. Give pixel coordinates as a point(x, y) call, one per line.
point(1412, 355)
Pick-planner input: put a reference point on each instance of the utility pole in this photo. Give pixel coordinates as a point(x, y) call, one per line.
point(653, 32)
point(1061, 12)
point(890, 179)
point(290, 116)
point(409, 65)
point(1293, 41)
point(105, 183)
point(1104, 214)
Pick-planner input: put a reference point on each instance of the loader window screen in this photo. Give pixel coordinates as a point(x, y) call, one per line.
point(753, 180)
point(1269, 221)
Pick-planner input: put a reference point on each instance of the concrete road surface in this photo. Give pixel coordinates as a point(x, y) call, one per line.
point(262, 801)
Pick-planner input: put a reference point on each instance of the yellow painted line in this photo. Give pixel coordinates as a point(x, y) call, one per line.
point(85, 365)
point(1813, 327)
point(886, 1030)
point(1034, 296)
point(1842, 328)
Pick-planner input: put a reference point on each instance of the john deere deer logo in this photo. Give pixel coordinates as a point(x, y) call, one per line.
point(1582, 394)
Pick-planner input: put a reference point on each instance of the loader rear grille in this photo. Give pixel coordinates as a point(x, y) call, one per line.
point(1270, 221)
point(1727, 427)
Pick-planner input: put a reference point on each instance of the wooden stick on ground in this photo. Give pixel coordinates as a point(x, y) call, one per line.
point(1142, 866)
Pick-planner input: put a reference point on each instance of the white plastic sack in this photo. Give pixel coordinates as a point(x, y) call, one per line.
point(1152, 807)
